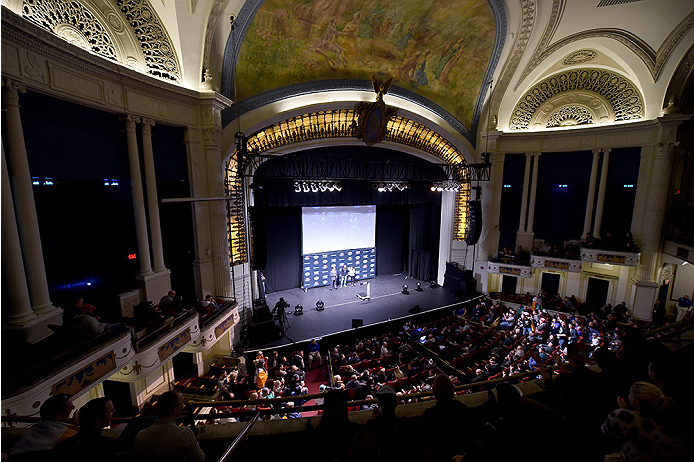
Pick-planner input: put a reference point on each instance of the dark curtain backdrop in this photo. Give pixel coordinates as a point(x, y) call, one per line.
point(283, 270)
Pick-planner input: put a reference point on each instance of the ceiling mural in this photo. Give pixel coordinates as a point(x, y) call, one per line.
point(434, 49)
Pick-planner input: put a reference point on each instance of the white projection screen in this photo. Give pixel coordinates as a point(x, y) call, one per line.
point(326, 229)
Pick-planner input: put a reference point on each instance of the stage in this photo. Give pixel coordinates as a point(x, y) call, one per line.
point(342, 305)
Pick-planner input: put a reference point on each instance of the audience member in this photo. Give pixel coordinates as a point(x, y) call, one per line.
point(314, 353)
point(165, 441)
point(88, 444)
point(684, 307)
point(55, 425)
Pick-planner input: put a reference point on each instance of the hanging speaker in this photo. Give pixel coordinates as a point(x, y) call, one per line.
point(475, 227)
point(258, 237)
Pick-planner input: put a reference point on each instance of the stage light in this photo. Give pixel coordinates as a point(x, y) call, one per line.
point(297, 186)
point(419, 287)
point(305, 187)
point(338, 188)
point(88, 283)
point(320, 306)
point(404, 289)
point(433, 285)
point(298, 310)
point(314, 187)
point(433, 187)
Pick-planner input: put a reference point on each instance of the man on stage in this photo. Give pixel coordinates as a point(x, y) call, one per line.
point(333, 278)
point(343, 275)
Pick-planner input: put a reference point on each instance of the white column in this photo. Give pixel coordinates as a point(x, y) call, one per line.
point(152, 200)
point(533, 193)
point(491, 200)
point(12, 265)
point(591, 193)
point(138, 197)
point(446, 232)
point(25, 209)
point(601, 193)
point(524, 196)
point(218, 220)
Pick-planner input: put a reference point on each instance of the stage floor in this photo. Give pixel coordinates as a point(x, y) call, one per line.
point(342, 305)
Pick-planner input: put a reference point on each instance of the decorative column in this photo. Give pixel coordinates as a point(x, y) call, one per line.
point(14, 279)
point(25, 209)
point(591, 193)
point(218, 219)
point(152, 200)
point(524, 195)
point(491, 200)
point(138, 197)
point(446, 232)
point(533, 193)
point(601, 193)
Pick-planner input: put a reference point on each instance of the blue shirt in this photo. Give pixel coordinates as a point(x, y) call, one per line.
point(313, 347)
point(684, 302)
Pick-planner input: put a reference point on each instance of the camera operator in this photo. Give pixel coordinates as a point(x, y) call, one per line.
point(280, 312)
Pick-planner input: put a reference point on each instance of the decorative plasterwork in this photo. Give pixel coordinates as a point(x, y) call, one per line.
point(580, 57)
point(654, 60)
point(557, 13)
point(677, 85)
point(157, 47)
point(622, 97)
point(216, 11)
point(610, 257)
point(510, 270)
point(559, 264)
point(528, 11)
point(573, 108)
point(72, 22)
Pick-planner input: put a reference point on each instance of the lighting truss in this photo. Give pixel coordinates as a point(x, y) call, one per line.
point(317, 186)
point(390, 186)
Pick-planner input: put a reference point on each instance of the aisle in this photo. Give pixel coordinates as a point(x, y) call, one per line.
point(314, 379)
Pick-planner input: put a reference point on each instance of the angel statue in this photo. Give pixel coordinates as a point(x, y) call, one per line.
point(380, 88)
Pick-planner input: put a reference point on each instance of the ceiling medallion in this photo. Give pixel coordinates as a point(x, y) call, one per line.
point(373, 117)
point(580, 56)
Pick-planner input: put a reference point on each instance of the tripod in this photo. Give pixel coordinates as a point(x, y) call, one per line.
point(282, 318)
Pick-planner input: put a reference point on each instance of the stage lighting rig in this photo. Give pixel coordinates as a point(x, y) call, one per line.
point(298, 310)
point(433, 285)
point(404, 289)
point(419, 287)
point(320, 306)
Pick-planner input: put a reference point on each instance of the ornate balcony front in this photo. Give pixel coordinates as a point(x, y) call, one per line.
point(610, 257)
point(521, 271)
point(558, 264)
point(213, 329)
point(159, 347)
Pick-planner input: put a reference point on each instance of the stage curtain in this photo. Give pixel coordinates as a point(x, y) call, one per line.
point(421, 265)
point(283, 226)
point(392, 235)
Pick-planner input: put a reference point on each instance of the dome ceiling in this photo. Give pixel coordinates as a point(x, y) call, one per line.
point(438, 53)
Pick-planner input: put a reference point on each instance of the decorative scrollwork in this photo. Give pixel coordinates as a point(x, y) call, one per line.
point(622, 94)
point(570, 115)
point(156, 46)
point(580, 56)
point(72, 22)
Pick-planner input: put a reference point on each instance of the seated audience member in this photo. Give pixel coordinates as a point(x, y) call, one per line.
point(590, 241)
point(209, 301)
point(545, 249)
point(394, 434)
point(55, 425)
point(87, 325)
point(166, 299)
point(292, 414)
point(645, 426)
point(165, 441)
point(71, 310)
point(334, 433)
point(148, 314)
point(88, 444)
point(314, 353)
point(450, 428)
point(608, 242)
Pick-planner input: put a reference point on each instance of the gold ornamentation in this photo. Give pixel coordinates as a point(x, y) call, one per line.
point(86, 376)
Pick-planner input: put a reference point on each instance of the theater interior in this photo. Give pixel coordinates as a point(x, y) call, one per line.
point(446, 154)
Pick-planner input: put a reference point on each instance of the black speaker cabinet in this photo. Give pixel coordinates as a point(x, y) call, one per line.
point(475, 229)
point(262, 313)
point(357, 323)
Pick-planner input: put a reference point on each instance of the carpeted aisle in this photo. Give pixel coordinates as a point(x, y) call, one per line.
point(314, 379)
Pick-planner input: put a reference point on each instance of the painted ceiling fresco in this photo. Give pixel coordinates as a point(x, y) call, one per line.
point(437, 49)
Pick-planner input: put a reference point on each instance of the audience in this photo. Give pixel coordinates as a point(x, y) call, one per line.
point(88, 444)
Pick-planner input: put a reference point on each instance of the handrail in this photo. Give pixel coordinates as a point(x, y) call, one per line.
point(234, 444)
point(219, 313)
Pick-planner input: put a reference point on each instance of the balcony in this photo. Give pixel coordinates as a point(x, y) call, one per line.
point(510, 269)
point(558, 264)
point(61, 364)
point(610, 257)
point(156, 348)
point(213, 328)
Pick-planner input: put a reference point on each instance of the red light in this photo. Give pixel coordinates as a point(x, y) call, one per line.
point(132, 256)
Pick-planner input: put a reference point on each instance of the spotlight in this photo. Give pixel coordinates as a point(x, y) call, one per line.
point(297, 186)
point(320, 306)
point(88, 283)
point(419, 287)
point(433, 187)
point(323, 187)
point(404, 289)
point(298, 310)
point(433, 285)
point(338, 188)
point(305, 187)
point(314, 187)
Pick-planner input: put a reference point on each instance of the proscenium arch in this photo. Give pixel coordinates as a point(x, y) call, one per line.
point(335, 125)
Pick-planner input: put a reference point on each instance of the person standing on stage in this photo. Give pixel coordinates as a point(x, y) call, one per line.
point(351, 274)
point(343, 275)
point(333, 278)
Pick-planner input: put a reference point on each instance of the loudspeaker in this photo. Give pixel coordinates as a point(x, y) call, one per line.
point(262, 313)
point(475, 228)
point(467, 275)
point(469, 288)
point(415, 309)
point(357, 323)
point(256, 216)
point(263, 332)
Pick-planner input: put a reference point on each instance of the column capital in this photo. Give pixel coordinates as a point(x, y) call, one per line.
point(11, 89)
point(212, 136)
point(606, 151)
point(130, 121)
point(147, 122)
point(596, 152)
point(537, 153)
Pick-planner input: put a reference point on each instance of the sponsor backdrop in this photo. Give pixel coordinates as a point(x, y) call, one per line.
point(317, 266)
